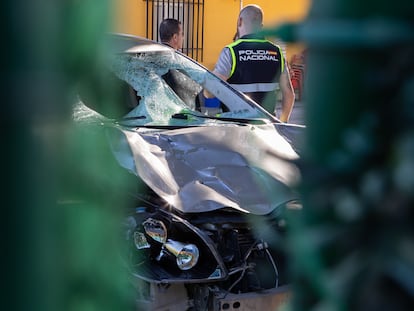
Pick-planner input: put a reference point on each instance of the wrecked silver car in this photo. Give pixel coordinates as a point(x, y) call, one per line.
point(206, 228)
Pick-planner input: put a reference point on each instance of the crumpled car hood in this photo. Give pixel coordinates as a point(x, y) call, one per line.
point(200, 169)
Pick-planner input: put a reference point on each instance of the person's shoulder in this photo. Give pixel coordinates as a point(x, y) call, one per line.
point(228, 45)
point(225, 52)
point(225, 49)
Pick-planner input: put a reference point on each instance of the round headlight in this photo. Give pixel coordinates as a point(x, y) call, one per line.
point(186, 254)
point(187, 257)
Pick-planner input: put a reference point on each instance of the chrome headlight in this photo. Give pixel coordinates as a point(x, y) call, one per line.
point(186, 254)
point(166, 246)
point(156, 230)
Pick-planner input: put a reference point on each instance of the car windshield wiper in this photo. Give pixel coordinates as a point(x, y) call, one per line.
point(187, 115)
point(132, 118)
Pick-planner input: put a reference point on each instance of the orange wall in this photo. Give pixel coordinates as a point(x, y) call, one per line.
point(220, 18)
point(129, 16)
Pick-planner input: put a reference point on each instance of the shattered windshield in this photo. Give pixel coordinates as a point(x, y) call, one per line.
point(167, 88)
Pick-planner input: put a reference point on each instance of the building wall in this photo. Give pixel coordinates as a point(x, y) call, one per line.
point(220, 18)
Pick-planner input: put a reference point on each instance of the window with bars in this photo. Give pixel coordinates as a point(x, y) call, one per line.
point(189, 13)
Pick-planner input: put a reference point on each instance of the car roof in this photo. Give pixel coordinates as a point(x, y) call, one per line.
point(130, 44)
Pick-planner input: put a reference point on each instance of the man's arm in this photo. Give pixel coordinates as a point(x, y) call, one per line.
point(288, 95)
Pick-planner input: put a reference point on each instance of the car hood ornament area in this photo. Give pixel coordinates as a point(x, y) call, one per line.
point(249, 168)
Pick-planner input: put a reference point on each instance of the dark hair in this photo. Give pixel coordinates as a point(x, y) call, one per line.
point(168, 28)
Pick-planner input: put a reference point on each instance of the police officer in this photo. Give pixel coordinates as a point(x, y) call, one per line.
point(256, 66)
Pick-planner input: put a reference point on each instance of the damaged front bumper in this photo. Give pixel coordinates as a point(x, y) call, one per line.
point(270, 299)
point(173, 297)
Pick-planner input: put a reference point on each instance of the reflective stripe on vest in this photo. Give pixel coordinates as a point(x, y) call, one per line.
point(256, 87)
